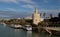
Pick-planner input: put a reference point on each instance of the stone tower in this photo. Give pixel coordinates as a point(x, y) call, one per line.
point(36, 17)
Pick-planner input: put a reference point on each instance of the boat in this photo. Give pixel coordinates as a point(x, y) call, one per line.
point(16, 26)
point(27, 27)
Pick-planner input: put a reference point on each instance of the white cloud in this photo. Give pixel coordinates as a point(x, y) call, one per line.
point(14, 1)
point(10, 9)
point(44, 10)
point(25, 0)
point(45, 1)
point(4, 16)
point(17, 1)
point(31, 4)
point(59, 1)
point(28, 1)
point(28, 6)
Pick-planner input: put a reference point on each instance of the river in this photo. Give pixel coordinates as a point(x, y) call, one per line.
point(6, 31)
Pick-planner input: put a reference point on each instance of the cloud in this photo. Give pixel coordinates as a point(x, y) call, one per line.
point(59, 1)
point(44, 10)
point(25, 0)
point(13, 1)
point(4, 16)
point(17, 1)
point(28, 1)
point(11, 9)
point(28, 6)
point(45, 1)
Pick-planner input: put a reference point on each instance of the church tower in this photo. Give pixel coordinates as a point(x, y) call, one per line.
point(36, 17)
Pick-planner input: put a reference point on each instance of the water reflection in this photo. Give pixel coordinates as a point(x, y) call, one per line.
point(4, 25)
point(29, 33)
point(22, 33)
point(11, 32)
point(17, 30)
point(35, 34)
point(40, 34)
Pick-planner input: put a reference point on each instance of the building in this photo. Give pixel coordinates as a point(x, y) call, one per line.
point(18, 18)
point(28, 18)
point(36, 17)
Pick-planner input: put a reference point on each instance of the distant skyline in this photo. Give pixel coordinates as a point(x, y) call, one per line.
point(21, 8)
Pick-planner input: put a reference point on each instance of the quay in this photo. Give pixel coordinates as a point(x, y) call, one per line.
point(52, 30)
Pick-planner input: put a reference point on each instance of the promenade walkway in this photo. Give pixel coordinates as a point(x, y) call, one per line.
point(52, 28)
point(49, 29)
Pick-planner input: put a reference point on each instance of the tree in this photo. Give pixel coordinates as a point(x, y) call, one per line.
point(59, 15)
point(44, 23)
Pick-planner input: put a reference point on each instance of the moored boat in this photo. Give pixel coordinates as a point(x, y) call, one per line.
point(16, 26)
point(27, 27)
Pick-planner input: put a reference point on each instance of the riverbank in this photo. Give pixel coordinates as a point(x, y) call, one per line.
point(6, 31)
point(35, 31)
point(24, 22)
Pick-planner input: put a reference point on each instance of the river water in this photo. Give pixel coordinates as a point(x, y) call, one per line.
point(6, 31)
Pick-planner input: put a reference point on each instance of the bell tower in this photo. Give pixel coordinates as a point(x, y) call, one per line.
point(36, 17)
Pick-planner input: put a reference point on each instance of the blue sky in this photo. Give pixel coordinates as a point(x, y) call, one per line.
point(22, 8)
